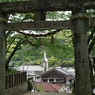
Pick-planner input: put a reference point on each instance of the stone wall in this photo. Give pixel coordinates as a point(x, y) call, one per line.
point(17, 90)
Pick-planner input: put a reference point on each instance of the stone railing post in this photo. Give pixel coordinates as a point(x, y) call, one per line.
point(82, 83)
point(2, 57)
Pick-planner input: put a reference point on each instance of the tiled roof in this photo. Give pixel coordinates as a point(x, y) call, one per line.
point(60, 70)
point(45, 86)
point(57, 70)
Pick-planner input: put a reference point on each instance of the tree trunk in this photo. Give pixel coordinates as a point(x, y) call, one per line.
point(12, 54)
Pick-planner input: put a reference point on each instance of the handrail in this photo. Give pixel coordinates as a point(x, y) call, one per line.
point(15, 79)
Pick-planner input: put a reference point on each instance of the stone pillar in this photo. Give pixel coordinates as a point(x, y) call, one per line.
point(82, 71)
point(2, 58)
point(54, 80)
point(47, 80)
point(39, 16)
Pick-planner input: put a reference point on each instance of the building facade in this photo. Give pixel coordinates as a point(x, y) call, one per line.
point(56, 76)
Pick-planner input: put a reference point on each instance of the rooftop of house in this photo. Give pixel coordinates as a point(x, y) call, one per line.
point(30, 73)
point(60, 70)
point(45, 86)
point(68, 71)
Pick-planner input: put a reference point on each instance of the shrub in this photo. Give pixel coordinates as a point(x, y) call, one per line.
point(30, 86)
point(10, 71)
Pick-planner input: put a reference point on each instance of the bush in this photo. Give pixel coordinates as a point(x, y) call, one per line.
point(30, 86)
point(10, 71)
point(73, 87)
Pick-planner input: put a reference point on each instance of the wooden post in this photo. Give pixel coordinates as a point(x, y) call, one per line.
point(82, 71)
point(7, 81)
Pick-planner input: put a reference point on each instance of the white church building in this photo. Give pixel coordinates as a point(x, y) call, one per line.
point(34, 70)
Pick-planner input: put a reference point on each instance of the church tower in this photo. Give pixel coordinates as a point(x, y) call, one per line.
point(45, 62)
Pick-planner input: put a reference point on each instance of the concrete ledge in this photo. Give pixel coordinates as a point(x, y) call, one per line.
point(17, 89)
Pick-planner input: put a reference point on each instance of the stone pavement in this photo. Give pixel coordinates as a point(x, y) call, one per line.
point(46, 93)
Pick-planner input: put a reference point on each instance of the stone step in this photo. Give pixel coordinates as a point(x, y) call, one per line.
point(46, 93)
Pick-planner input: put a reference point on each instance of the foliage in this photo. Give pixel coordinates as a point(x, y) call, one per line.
point(59, 53)
point(10, 71)
point(90, 13)
point(57, 15)
point(30, 85)
point(72, 85)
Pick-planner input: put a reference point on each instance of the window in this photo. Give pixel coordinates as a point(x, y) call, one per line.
point(44, 80)
point(59, 80)
point(51, 80)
